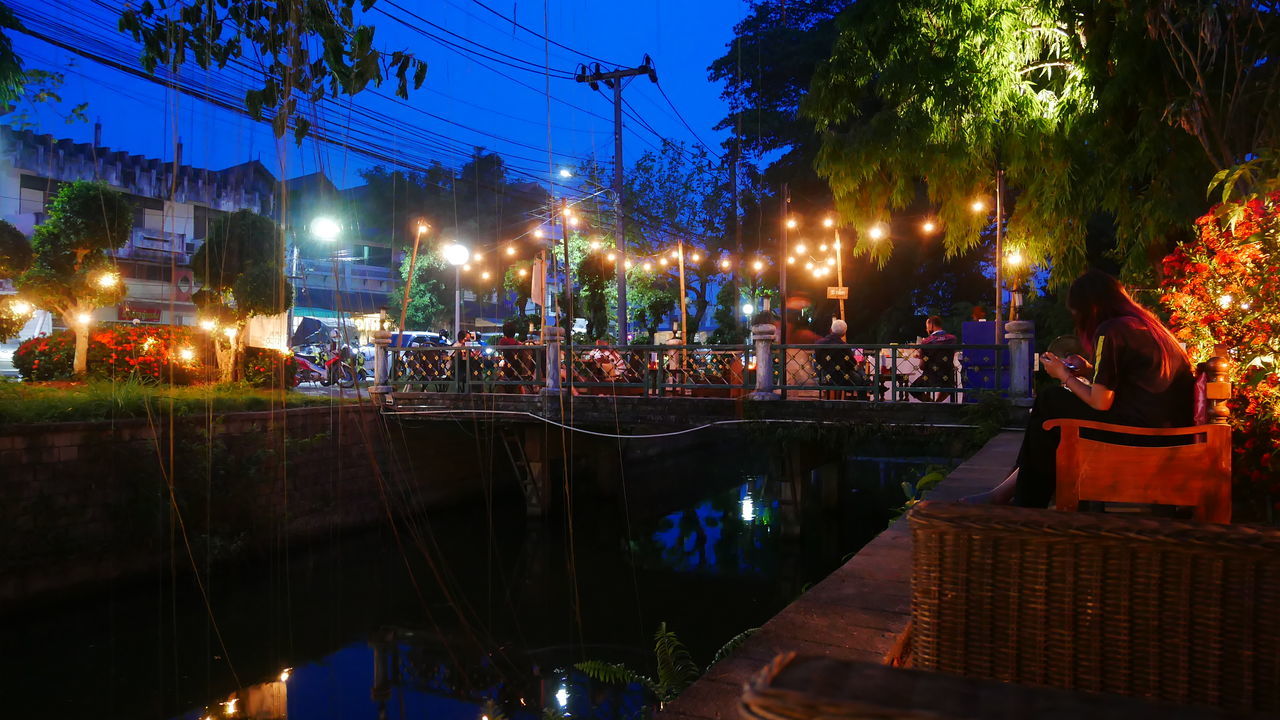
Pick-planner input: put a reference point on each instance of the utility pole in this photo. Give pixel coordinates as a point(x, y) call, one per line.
point(737, 221)
point(999, 333)
point(615, 78)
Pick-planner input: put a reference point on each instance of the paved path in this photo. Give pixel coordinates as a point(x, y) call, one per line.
point(858, 613)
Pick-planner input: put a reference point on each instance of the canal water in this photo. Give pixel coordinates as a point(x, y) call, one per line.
point(464, 612)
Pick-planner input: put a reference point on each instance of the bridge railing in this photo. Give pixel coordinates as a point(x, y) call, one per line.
point(865, 371)
point(507, 369)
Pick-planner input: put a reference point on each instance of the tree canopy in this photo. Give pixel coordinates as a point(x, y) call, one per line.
point(1089, 107)
point(307, 49)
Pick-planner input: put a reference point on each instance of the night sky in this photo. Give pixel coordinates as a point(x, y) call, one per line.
point(475, 104)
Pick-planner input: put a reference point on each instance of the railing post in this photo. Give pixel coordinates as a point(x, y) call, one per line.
point(554, 335)
point(381, 366)
point(1018, 333)
point(763, 336)
point(1218, 390)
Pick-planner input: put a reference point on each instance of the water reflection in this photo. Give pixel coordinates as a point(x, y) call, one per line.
point(482, 607)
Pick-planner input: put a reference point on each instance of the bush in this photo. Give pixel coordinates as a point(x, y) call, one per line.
point(266, 368)
point(146, 353)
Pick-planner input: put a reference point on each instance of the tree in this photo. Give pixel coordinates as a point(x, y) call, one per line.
point(66, 269)
point(307, 49)
point(15, 258)
point(1088, 107)
point(240, 267)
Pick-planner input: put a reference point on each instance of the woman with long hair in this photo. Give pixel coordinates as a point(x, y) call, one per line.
point(1139, 376)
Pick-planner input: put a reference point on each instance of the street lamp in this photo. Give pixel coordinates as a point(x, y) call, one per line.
point(457, 254)
point(326, 229)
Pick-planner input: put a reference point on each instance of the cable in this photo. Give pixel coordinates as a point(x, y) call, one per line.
point(544, 37)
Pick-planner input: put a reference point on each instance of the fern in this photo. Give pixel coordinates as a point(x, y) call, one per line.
point(734, 643)
point(676, 669)
point(615, 674)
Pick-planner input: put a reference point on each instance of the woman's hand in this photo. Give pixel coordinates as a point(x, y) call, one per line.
point(1054, 365)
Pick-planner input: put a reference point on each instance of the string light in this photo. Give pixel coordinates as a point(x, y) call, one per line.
point(484, 275)
point(466, 268)
point(573, 221)
point(20, 307)
point(822, 247)
point(538, 233)
point(1224, 301)
point(84, 319)
point(511, 250)
point(792, 224)
point(627, 264)
point(612, 257)
point(648, 267)
point(800, 248)
point(876, 232)
point(757, 265)
point(108, 280)
point(978, 206)
point(595, 244)
point(831, 261)
point(675, 255)
point(808, 265)
point(724, 264)
point(696, 257)
point(662, 262)
point(791, 260)
point(928, 227)
point(829, 222)
point(476, 255)
point(208, 325)
point(523, 272)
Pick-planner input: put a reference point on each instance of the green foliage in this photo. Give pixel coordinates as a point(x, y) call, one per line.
point(41, 90)
point(1090, 108)
point(732, 646)
point(148, 354)
point(15, 251)
point(306, 50)
point(11, 75)
point(990, 415)
point(105, 400)
point(267, 368)
point(915, 490)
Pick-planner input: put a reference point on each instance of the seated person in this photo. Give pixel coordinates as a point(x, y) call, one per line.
point(937, 364)
point(605, 363)
point(1141, 377)
point(837, 366)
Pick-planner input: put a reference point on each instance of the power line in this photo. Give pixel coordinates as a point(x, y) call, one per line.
point(544, 37)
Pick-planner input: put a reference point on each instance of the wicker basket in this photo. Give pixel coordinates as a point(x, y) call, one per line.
point(1164, 609)
point(816, 688)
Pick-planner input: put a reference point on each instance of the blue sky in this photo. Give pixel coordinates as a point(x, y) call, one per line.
point(462, 100)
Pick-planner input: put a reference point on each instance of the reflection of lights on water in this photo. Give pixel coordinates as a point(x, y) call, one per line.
point(562, 696)
point(284, 674)
point(748, 509)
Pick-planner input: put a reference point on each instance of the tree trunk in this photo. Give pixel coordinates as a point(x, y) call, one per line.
point(80, 367)
point(229, 355)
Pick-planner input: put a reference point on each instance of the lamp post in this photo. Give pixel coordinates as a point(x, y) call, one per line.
point(457, 254)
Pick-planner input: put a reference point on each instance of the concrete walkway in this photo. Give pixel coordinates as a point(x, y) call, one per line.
point(858, 613)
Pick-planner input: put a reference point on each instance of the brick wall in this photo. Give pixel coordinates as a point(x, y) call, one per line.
point(90, 502)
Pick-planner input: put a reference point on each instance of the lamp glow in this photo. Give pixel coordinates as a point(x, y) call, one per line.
point(800, 248)
point(84, 319)
point(511, 250)
point(565, 173)
point(285, 673)
point(757, 265)
point(831, 261)
point(108, 280)
point(562, 696)
point(792, 224)
point(662, 262)
point(230, 332)
point(928, 227)
point(822, 247)
point(595, 244)
point(327, 229)
point(466, 268)
point(876, 232)
point(484, 275)
point(573, 221)
point(627, 264)
point(1015, 258)
point(456, 254)
point(208, 325)
point(1224, 301)
point(748, 309)
point(186, 354)
point(978, 206)
point(612, 257)
point(523, 272)
point(808, 265)
point(829, 222)
point(791, 260)
point(537, 233)
point(20, 307)
point(648, 266)
point(696, 257)
point(724, 264)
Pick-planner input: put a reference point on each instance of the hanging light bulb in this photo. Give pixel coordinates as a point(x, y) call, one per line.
point(648, 267)
point(800, 248)
point(928, 227)
point(695, 257)
point(758, 265)
point(613, 257)
point(724, 264)
point(595, 244)
point(108, 280)
point(808, 265)
point(791, 260)
point(511, 250)
point(475, 255)
point(523, 272)
point(792, 223)
point(484, 275)
point(466, 268)
point(537, 233)
point(876, 232)
point(831, 261)
point(978, 205)
point(662, 262)
point(675, 255)
point(829, 222)
point(822, 247)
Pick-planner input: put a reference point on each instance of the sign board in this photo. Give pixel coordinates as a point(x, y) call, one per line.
point(837, 293)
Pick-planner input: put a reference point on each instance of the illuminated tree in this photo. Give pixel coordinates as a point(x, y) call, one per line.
point(240, 267)
point(15, 258)
point(70, 272)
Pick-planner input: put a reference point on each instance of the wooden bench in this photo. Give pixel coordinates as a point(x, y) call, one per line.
point(1193, 469)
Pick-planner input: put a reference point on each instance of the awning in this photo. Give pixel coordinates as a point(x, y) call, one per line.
point(351, 301)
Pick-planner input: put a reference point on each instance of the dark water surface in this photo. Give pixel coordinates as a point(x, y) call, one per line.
point(458, 605)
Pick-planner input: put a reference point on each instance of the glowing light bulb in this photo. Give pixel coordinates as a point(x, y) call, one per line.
point(876, 232)
point(568, 212)
point(84, 319)
point(800, 248)
point(562, 696)
point(476, 256)
point(565, 173)
point(208, 325)
point(791, 260)
point(822, 247)
point(978, 206)
point(108, 280)
point(423, 228)
point(595, 244)
point(695, 257)
point(829, 222)
point(511, 250)
point(831, 261)
point(523, 272)
point(612, 257)
point(792, 224)
point(928, 227)
point(20, 307)
point(675, 255)
point(757, 265)
point(230, 332)
point(648, 267)
point(627, 264)
point(484, 275)
point(573, 221)
point(537, 233)
point(466, 268)
point(186, 354)
point(724, 264)
point(1224, 301)
point(1015, 258)
point(285, 673)
point(808, 265)
point(662, 262)
point(748, 308)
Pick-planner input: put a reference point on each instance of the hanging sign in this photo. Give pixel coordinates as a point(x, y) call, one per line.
point(837, 293)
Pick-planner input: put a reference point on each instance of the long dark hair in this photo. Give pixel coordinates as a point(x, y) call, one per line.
point(1096, 297)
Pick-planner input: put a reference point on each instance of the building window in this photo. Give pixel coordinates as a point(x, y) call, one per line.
point(153, 219)
point(31, 201)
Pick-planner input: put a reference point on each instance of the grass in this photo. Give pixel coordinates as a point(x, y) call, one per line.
point(106, 400)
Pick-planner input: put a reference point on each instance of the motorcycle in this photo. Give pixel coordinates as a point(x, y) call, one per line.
point(327, 368)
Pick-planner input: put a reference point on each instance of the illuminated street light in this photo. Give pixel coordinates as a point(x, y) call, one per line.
point(748, 309)
point(456, 254)
point(662, 262)
point(1015, 258)
point(327, 229)
point(565, 173)
point(538, 233)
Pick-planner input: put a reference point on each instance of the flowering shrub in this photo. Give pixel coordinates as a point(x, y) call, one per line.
point(147, 353)
point(1224, 289)
point(269, 368)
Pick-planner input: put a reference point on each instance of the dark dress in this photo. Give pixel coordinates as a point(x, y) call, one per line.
point(1127, 360)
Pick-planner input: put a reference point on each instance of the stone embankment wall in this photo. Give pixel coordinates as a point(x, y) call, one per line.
point(95, 501)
